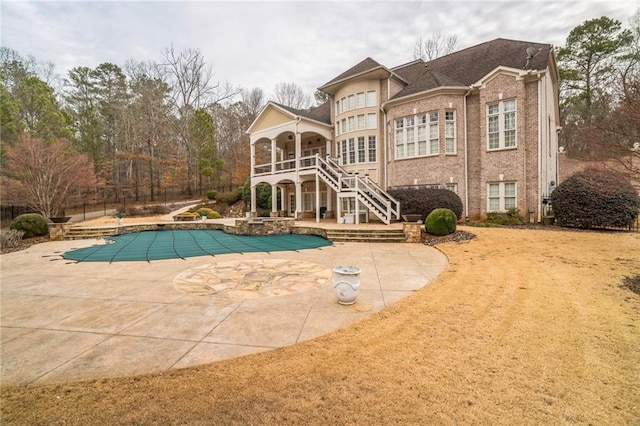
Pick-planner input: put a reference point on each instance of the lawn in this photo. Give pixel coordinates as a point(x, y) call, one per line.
point(524, 327)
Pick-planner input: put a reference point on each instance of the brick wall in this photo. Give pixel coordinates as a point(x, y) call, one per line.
point(518, 164)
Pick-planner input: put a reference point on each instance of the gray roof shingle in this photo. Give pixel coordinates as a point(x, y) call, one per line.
point(461, 68)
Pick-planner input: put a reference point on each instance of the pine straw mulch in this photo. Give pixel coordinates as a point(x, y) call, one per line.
point(524, 327)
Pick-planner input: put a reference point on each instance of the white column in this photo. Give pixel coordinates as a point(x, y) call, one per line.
point(253, 159)
point(298, 199)
point(329, 148)
point(317, 198)
point(253, 199)
point(298, 149)
point(274, 198)
point(274, 156)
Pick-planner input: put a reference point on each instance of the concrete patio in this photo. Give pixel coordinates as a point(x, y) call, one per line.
point(64, 321)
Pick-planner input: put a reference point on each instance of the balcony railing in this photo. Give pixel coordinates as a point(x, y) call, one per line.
point(304, 163)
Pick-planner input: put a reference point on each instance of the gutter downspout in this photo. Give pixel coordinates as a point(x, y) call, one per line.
point(540, 156)
point(385, 148)
point(385, 138)
point(466, 161)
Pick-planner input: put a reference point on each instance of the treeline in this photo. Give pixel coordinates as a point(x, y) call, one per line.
point(144, 127)
point(600, 93)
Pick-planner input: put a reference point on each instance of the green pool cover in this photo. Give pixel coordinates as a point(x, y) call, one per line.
point(172, 244)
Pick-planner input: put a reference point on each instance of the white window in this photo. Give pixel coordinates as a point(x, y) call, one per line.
point(361, 122)
point(434, 134)
point(422, 134)
point(343, 123)
point(410, 141)
point(351, 101)
point(372, 149)
point(417, 135)
point(372, 121)
point(343, 105)
point(343, 152)
point(337, 107)
point(337, 128)
point(372, 99)
point(501, 125)
point(449, 132)
point(308, 201)
point(352, 124)
point(352, 151)
point(361, 150)
point(501, 196)
point(360, 100)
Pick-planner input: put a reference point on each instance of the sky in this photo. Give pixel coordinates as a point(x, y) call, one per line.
point(262, 43)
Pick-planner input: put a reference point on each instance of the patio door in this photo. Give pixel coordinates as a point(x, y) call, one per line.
point(292, 204)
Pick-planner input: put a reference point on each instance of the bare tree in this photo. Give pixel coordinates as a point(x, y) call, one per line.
point(292, 95)
point(438, 45)
point(46, 176)
point(191, 78)
point(232, 120)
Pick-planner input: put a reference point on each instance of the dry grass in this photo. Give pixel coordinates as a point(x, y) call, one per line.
point(524, 327)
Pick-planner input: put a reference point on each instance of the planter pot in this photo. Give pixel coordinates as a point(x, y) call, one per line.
point(61, 219)
point(346, 284)
point(120, 221)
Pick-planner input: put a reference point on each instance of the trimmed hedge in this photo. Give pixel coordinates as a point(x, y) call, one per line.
point(32, 224)
point(595, 198)
point(423, 201)
point(441, 222)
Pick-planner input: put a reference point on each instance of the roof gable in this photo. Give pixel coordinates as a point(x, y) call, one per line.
point(272, 115)
point(367, 64)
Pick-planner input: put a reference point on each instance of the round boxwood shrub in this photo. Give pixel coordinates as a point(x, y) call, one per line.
point(441, 222)
point(212, 194)
point(423, 201)
point(32, 224)
point(595, 198)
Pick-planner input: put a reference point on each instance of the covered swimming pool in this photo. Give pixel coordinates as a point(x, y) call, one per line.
point(183, 243)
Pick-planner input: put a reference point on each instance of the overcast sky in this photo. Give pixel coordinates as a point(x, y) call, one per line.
point(261, 43)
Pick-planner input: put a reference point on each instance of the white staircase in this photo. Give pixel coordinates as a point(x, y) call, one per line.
point(376, 199)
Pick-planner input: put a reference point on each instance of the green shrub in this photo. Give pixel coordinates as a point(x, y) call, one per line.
point(263, 195)
point(423, 201)
point(510, 218)
point(230, 197)
point(212, 195)
point(209, 213)
point(33, 224)
point(441, 222)
point(595, 198)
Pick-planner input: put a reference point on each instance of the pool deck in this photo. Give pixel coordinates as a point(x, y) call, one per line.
point(63, 321)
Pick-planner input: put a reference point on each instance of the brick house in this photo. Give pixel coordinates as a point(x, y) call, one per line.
point(482, 122)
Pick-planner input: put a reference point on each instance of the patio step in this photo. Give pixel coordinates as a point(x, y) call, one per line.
point(86, 233)
point(367, 235)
